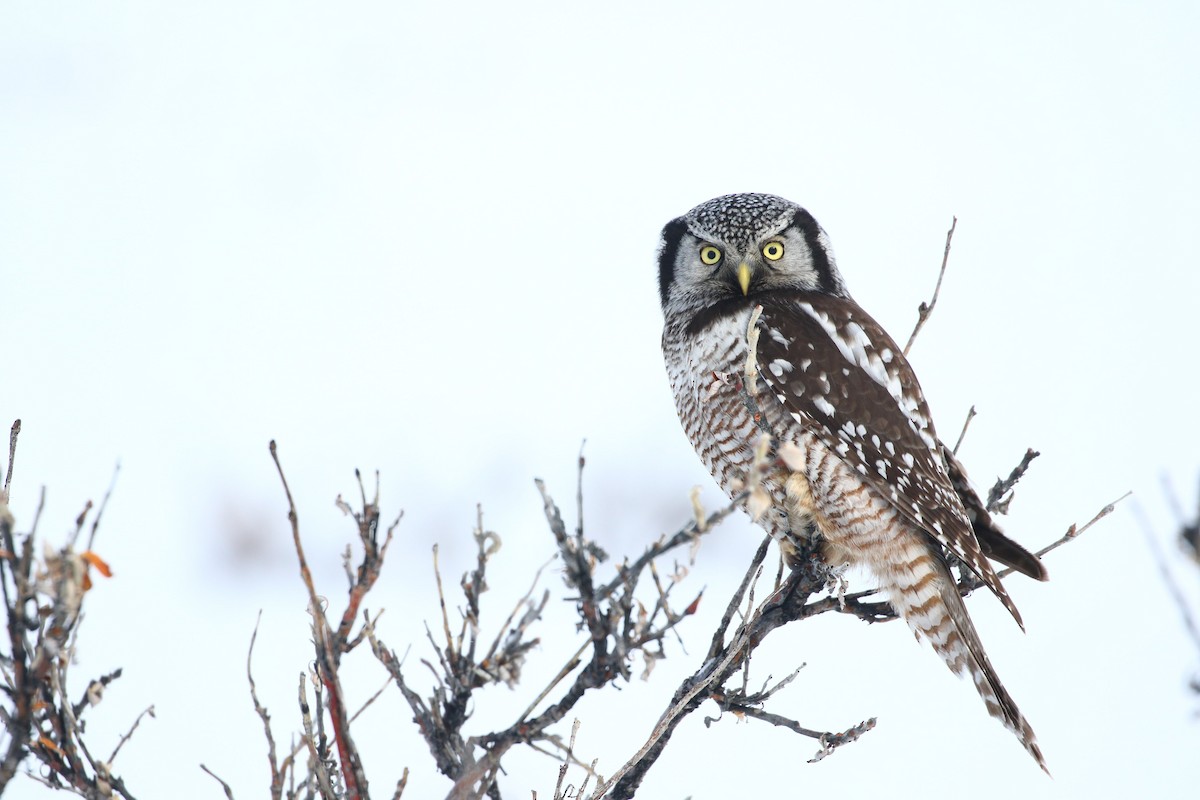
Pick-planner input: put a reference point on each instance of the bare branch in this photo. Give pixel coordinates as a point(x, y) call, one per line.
point(224, 785)
point(1160, 560)
point(329, 645)
point(129, 733)
point(1000, 495)
point(1073, 532)
point(963, 433)
point(43, 607)
point(13, 432)
point(261, 710)
point(925, 310)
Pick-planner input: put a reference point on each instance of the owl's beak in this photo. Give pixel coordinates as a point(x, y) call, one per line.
point(743, 276)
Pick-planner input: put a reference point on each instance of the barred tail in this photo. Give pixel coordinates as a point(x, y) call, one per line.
point(922, 591)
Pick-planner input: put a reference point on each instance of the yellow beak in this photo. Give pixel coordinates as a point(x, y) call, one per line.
point(743, 275)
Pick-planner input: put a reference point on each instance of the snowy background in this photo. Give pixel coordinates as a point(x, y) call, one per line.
point(420, 238)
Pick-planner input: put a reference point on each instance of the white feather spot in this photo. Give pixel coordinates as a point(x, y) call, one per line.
point(823, 405)
point(780, 366)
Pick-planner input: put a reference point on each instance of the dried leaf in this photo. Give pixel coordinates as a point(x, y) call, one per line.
point(96, 561)
point(758, 502)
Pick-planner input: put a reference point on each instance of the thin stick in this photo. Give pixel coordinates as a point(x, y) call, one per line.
point(371, 700)
point(103, 505)
point(12, 453)
point(400, 784)
point(997, 501)
point(261, 710)
point(924, 310)
point(672, 714)
point(1160, 560)
point(437, 573)
point(963, 433)
point(129, 734)
point(567, 669)
point(718, 639)
point(500, 634)
point(224, 785)
point(1072, 532)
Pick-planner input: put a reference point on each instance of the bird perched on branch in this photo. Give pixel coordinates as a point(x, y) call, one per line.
point(762, 339)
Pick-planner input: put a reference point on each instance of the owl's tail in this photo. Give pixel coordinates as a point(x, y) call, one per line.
point(923, 592)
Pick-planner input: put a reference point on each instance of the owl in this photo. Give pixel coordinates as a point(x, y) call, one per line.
point(762, 339)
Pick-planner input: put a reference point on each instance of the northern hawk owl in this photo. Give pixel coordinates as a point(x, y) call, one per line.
point(761, 337)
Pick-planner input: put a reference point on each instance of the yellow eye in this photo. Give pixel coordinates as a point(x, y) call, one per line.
point(773, 251)
point(710, 255)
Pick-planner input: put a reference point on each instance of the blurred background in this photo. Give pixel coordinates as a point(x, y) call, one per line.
point(419, 238)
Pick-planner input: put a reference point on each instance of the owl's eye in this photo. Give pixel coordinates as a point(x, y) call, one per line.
point(773, 251)
point(710, 255)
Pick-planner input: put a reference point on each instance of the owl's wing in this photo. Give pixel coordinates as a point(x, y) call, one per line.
point(841, 376)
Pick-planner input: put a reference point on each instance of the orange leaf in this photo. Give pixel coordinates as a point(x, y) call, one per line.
point(47, 743)
point(99, 563)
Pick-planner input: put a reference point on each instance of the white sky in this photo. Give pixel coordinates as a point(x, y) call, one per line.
point(420, 237)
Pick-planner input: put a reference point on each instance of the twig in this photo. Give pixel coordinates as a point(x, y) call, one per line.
point(830, 741)
point(783, 606)
point(1160, 560)
point(924, 310)
point(112, 484)
point(572, 663)
point(12, 454)
point(224, 785)
point(963, 433)
point(1073, 532)
point(316, 761)
point(330, 645)
point(261, 710)
point(371, 699)
point(129, 733)
point(997, 501)
point(718, 638)
point(437, 572)
point(685, 535)
point(562, 770)
point(537, 576)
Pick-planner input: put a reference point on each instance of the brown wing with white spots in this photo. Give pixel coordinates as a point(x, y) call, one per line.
point(842, 377)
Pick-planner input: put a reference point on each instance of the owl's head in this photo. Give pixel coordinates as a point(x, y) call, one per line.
point(743, 245)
